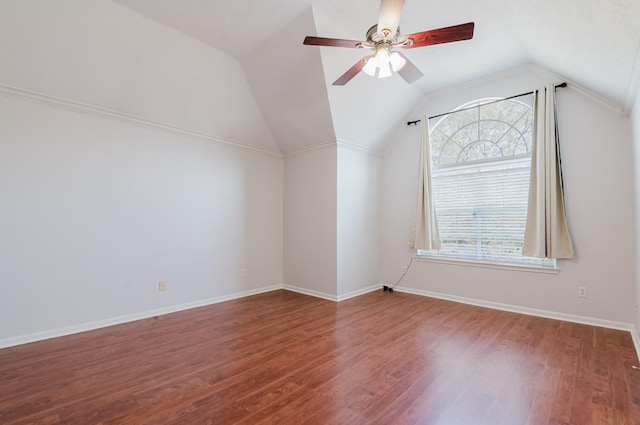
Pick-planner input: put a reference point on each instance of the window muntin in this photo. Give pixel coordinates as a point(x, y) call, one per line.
point(481, 159)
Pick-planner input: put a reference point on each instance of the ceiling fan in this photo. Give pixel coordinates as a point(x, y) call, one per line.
point(384, 37)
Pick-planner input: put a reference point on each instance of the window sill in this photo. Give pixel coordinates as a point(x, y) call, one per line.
point(470, 263)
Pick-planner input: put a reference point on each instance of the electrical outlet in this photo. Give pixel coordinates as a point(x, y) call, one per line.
point(245, 272)
point(582, 292)
point(162, 286)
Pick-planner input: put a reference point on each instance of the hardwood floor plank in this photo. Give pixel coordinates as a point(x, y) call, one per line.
point(286, 358)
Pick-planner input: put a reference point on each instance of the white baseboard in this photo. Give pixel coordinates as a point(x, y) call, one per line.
point(54, 333)
point(310, 292)
point(89, 326)
point(528, 311)
point(636, 341)
point(331, 297)
point(359, 292)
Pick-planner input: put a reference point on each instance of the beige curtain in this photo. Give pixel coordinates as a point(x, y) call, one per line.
point(426, 235)
point(546, 233)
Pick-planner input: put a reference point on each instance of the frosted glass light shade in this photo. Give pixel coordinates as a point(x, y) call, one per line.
point(382, 57)
point(370, 67)
point(385, 71)
point(383, 62)
point(397, 61)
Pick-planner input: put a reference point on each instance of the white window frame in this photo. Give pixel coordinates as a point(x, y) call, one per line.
point(526, 263)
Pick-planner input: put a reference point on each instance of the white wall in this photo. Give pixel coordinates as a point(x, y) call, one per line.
point(310, 194)
point(358, 223)
point(96, 212)
point(598, 177)
point(635, 122)
point(100, 53)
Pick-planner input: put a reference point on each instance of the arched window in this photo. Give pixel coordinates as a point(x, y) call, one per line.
point(481, 158)
point(483, 130)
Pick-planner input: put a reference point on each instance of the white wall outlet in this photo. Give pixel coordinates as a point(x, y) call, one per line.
point(162, 286)
point(245, 272)
point(582, 292)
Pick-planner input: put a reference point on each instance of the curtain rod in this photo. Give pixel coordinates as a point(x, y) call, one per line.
point(488, 103)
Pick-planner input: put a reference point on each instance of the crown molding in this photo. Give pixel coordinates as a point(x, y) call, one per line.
point(83, 108)
point(355, 147)
point(537, 70)
point(476, 82)
point(633, 87)
point(311, 148)
point(579, 89)
point(334, 143)
point(612, 106)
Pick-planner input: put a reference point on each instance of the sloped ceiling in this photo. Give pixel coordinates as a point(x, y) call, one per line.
point(288, 83)
point(593, 43)
point(98, 54)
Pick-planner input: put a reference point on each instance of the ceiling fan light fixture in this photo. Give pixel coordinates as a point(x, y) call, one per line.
point(397, 61)
point(380, 62)
point(382, 56)
point(385, 71)
point(370, 67)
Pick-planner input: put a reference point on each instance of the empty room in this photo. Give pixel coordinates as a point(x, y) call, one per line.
point(319, 212)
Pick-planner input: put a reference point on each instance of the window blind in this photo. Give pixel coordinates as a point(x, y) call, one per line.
point(482, 209)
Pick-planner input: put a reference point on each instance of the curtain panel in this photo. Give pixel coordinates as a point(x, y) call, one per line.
point(426, 236)
point(546, 232)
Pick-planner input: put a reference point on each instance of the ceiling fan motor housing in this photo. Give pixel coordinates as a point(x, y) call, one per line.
point(385, 36)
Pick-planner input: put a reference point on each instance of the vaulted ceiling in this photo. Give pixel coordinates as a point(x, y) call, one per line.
point(591, 43)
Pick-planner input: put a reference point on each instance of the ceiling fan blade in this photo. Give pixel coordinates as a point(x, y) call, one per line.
point(409, 71)
point(390, 11)
point(441, 35)
point(352, 72)
point(331, 42)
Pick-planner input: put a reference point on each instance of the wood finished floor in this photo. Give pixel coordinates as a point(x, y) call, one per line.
point(286, 358)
